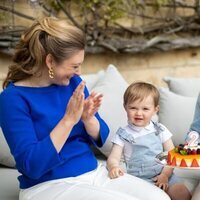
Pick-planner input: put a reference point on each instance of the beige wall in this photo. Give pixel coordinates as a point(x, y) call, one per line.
point(147, 67)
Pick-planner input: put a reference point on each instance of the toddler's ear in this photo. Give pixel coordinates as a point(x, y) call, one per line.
point(157, 108)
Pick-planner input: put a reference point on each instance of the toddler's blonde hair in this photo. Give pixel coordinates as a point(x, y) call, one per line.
point(140, 91)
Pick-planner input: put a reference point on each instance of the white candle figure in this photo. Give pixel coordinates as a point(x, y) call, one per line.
point(193, 138)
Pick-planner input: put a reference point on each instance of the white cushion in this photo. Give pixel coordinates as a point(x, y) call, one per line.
point(92, 79)
point(5, 156)
point(9, 185)
point(176, 113)
point(112, 85)
point(184, 86)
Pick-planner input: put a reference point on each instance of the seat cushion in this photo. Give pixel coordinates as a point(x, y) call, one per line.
point(9, 185)
point(189, 87)
point(176, 113)
point(112, 85)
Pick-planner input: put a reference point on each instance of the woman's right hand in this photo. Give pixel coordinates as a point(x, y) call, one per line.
point(75, 106)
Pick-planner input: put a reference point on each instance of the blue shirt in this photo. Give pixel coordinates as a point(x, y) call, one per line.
point(28, 115)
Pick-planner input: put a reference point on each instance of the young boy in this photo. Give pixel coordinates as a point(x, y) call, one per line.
point(141, 140)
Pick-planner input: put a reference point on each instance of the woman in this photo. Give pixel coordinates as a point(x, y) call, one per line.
point(49, 120)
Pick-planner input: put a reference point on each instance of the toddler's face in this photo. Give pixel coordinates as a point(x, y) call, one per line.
point(140, 112)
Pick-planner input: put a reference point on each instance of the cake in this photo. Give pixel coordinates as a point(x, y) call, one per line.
point(184, 156)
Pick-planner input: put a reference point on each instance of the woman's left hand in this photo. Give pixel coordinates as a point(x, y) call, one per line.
point(91, 106)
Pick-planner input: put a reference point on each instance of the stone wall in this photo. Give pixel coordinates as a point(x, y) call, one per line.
point(147, 67)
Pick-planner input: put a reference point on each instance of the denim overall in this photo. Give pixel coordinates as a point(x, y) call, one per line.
point(144, 150)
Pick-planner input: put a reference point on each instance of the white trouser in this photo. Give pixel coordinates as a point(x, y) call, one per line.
point(95, 185)
point(196, 194)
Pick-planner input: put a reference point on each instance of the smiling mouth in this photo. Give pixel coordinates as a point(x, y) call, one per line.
point(138, 119)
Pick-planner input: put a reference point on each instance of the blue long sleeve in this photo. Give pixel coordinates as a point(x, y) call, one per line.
point(27, 116)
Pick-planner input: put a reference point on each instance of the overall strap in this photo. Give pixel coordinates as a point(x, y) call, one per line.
point(125, 136)
point(158, 128)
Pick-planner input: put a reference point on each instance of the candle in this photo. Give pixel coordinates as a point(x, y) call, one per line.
point(193, 138)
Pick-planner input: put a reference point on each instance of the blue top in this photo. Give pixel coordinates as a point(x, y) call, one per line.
point(28, 115)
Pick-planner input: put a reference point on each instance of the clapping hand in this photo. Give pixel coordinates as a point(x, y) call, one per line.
point(84, 109)
point(91, 106)
point(76, 104)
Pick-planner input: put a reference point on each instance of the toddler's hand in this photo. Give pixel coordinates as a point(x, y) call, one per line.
point(161, 181)
point(115, 172)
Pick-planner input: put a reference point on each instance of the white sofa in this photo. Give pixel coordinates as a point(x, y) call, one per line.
point(176, 112)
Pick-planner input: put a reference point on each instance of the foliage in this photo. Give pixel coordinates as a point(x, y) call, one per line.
point(128, 25)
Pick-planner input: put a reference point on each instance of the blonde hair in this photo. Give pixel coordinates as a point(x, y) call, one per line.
point(46, 36)
point(140, 91)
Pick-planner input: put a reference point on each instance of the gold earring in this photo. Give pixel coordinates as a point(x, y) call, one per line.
point(51, 73)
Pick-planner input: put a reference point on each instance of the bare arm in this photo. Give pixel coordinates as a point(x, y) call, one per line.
point(72, 115)
point(91, 106)
point(162, 180)
point(113, 162)
point(92, 127)
point(114, 157)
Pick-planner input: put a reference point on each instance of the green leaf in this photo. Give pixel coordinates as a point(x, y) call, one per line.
point(183, 152)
